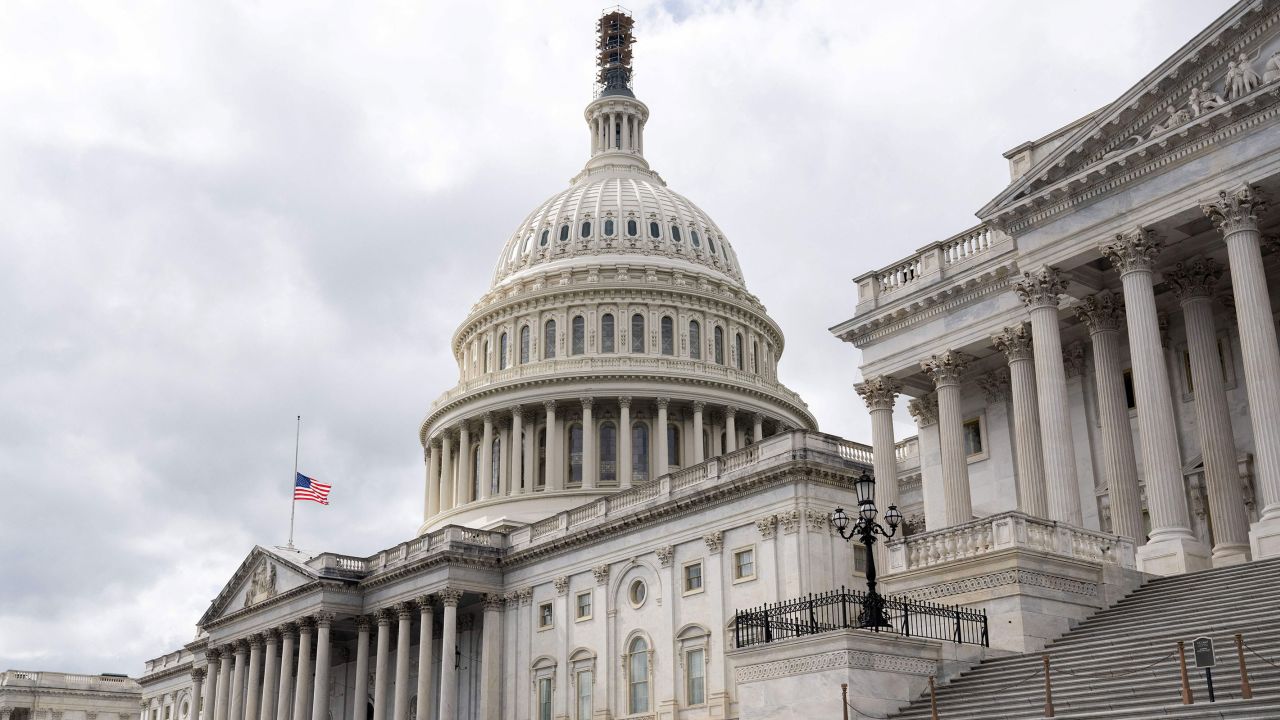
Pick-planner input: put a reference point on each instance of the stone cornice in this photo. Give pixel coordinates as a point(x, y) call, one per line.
point(942, 298)
point(279, 599)
point(165, 673)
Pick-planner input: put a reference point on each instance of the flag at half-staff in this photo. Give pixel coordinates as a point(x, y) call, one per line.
point(305, 488)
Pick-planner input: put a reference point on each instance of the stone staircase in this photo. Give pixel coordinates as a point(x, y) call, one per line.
point(1141, 630)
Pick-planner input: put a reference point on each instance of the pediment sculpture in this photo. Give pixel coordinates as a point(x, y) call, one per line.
point(262, 584)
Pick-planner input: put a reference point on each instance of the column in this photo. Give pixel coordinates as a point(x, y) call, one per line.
point(880, 394)
point(449, 640)
point(491, 658)
point(446, 471)
point(1102, 314)
point(590, 463)
point(1194, 284)
point(210, 685)
point(503, 486)
point(466, 468)
point(530, 468)
point(1236, 215)
point(290, 634)
point(404, 611)
point(757, 427)
point(433, 478)
point(624, 442)
point(555, 476)
point(302, 691)
point(699, 452)
point(486, 458)
point(1015, 343)
point(730, 429)
point(360, 689)
point(1040, 291)
point(235, 711)
point(220, 705)
point(270, 675)
point(426, 620)
point(197, 692)
point(254, 692)
point(1171, 548)
point(320, 691)
point(380, 667)
point(517, 455)
point(946, 369)
point(660, 468)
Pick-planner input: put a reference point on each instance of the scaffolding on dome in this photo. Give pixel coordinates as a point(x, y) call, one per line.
point(615, 36)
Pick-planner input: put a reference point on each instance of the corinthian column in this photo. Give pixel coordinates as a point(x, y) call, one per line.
point(590, 463)
point(1236, 214)
point(360, 688)
point(530, 469)
point(236, 708)
point(946, 369)
point(320, 692)
point(1015, 342)
point(491, 657)
point(516, 484)
point(380, 666)
point(197, 692)
point(1194, 284)
point(555, 475)
point(400, 709)
point(466, 468)
point(1102, 314)
point(449, 598)
point(270, 675)
point(624, 442)
point(302, 692)
point(252, 694)
point(426, 620)
point(660, 435)
point(221, 703)
point(486, 458)
point(433, 479)
point(446, 471)
point(880, 394)
point(1040, 291)
point(1172, 548)
point(290, 635)
point(699, 449)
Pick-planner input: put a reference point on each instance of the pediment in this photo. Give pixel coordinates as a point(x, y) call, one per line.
point(1197, 91)
point(264, 574)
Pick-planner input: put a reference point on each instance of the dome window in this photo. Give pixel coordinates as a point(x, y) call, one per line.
point(711, 243)
point(633, 229)
point(564, 232)
point(578, 336)
point(586, 228)
point(606, 333)
point(695, 340)
point(675, 233)
point(668, 335)
point(528, 242)
point(693, 238)
point(546, 235)
point(608, 227)
point(654, 230)
point(637, 333)
point(549, 340)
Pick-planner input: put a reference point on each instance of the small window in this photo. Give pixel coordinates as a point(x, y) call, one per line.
point(637, 592)
point(564, 233)
point(668, 336)
point(608, 227)
point(859, 559)
point(693, 577)
point(549, 340)
point(586, 228)
point(744, 564)
point(583, 605)
point(695, 673)
point(695, 340)
point(606, 333)
point(693, 238)
point(633, 229)
point(675, 233)
point(972, 437)
point(546, 615)
point(654, 230)
point(546, 236)
point(637, 333)
point(579, 336)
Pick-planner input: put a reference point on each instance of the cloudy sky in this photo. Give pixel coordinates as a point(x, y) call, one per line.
point(215, 216)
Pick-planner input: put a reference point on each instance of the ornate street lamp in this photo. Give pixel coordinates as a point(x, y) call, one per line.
point(865, 528)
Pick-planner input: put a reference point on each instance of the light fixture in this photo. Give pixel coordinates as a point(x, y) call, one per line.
point(865, 486)
point(840, 519)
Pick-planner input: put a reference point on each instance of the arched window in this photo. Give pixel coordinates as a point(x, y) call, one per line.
point(668, 333)
point(639, 452)
point(606, 333)
point(633, 228)
point(608, 227)
point(502, 351)
point(673, 445)
point(524, 344)
point(549, 340)
point(719, 345)
point(675, 233)
point(564, 232)
point(737, 350)
point(654, 230)
point(485, 361)
point(579, 336)
point(586, 228)
point(608, 453)
point(575, 453)
point(495, 466)
point(695, 340)
point(637, 333)
point(638, 676)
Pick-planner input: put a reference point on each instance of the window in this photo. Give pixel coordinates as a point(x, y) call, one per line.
point(502, 351)
point(637, 333)
point(575, 454)
point(859, 559)
point(654, 230)
point(608, 453)
point(564, 233)
point(755, 357)
point(584, 695)
point(693, 238)
point(632, 228)
point(675, 233)
point(583, 605)
point(1130, 397)
point(719, 345)
point(524, 344)
point(639, 452)
point(637, 592)
point(695, 340)
point(549, 340)
point(608, 227)
point(693, 577)
point(711, 243)
point(606, 333)
point(973, 437)
point(744, 564)
point(673, 445)
point(737, 350)
point(668, 331)
point(546, 615)
point(578, 332)
point(695, 676)
point(586, 228)
point(474, 472)
point(638, 676)
point(542, 458)
point(544, 698)
point(546, 235)
point(495, 466)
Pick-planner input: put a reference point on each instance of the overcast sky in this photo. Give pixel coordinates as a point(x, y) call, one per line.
point(216, 216)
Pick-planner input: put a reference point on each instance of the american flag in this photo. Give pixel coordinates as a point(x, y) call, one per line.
point(305, 488)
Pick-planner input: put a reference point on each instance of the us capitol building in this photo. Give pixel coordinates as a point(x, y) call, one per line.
point(619, 472)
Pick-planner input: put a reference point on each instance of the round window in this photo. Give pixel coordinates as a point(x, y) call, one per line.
point(637, 592)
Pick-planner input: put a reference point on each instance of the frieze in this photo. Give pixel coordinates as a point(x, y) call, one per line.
point(1001, 579)
point(840, 659)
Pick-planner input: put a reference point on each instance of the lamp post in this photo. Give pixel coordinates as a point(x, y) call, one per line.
point(865, 529)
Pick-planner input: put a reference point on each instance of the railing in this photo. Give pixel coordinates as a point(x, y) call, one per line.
point(929, 263)
point(545, 527)
point(966, 245)
point(907, 449)
point(844, 609)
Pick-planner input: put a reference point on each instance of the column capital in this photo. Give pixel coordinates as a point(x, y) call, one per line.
point(995, 385)
point(271, 635)
point(1100, 312)
point(698, 405)
point(665, 554)
point(1133, 251)
point(450, 597)
point(383, 616)
point(662, 402)
point(212, 655)
point(1014, 342)
point(946, 367)
point(257, 640)
point(1041, 288)
point(363, 623)
point(406, 610)
point(426, 602)
point(1236, 209)
point(924, 409)
point(1073, 359)
point(526, 595)
point(492, 601)
point(512, 598)
point(625, 402)
point(517, 411)
point(767, 526)
point(561, 584)
point(487, 418)
point(197, 675)
point(879, 393)
point(549, 405)
point(435, 443)
point(289, 630)
point(730, 410)
point(714, 541)
point(601, 573)
point(306, 625)
point(323, 619)
point(1194, 279)
point(587, 402)
point(241, 646)
point(757, 417)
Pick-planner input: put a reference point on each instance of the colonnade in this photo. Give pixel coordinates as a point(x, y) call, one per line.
point(586, 443)
point(254, 678)
point(1047, 482)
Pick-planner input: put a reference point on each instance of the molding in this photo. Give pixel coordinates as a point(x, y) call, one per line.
point(838, 660)
point(1016, 576)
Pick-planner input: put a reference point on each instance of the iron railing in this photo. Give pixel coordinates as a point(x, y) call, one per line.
point(844, 609)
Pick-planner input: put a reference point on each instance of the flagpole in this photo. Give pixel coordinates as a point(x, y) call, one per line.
point(293, 504)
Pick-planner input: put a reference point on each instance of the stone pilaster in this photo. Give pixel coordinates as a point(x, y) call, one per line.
point(1015, 343)
point(946, 370)
point(590, 462)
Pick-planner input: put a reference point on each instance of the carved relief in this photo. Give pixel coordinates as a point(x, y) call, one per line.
point(924, 409)
point(790, 521)
point(1236, 209)
point(262, 585)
